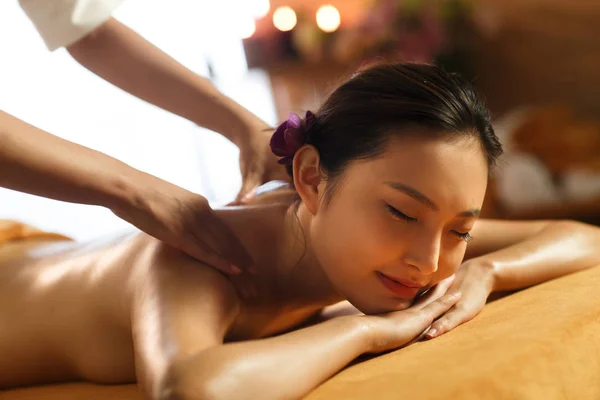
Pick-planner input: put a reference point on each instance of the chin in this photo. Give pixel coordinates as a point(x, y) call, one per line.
point(385, 305)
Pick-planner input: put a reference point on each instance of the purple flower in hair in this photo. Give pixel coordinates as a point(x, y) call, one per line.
point(290, 136)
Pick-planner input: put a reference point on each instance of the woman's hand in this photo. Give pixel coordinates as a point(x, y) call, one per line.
point(396, 329)
point(185, 221)
point(258, 164)
point(434, 293)
point(475, 281)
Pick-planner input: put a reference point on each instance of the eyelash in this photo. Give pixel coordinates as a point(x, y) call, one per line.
point(463, 236)
point(398, 214)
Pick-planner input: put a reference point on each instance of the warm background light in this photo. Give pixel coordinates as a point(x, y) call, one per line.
point(247, 28)
point(260, 8)
point(328, 18)
point(284, 19)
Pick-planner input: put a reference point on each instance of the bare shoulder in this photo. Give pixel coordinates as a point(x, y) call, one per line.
point(178, 275)
point(181, 307)
point(275, 192)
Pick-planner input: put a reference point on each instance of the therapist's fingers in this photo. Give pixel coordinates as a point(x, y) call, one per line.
point(228, 244)
point(232, 256)
point(243, 284)
point(242, 281)
point(244, 198)
point(198, 248)
point(249, 185)
point(258, 165)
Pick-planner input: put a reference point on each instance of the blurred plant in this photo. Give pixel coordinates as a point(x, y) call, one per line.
point(417, 30)
point(310, 41)
point(432, 31)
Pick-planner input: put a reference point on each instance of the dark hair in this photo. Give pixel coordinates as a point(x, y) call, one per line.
point(359, 117)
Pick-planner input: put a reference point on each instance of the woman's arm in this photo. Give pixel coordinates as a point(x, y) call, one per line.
point(522, 254)
point(510, 255)
point(180, 319)
point(184, 313)
point(282, 367)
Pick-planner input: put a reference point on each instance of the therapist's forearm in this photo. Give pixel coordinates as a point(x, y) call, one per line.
point(122, 57)
point(561, 248)
point(36, 162)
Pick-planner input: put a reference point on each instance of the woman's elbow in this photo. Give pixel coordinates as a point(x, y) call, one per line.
point(179, 384)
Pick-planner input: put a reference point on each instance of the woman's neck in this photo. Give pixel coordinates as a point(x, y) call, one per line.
point(278, 239)
point(298, 270)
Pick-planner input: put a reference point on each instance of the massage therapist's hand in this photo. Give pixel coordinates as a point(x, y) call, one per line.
point(474, 280)
point(186, 221)
point(396, 329)
point(258, 164)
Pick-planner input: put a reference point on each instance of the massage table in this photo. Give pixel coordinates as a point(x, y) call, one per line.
point(540, 343)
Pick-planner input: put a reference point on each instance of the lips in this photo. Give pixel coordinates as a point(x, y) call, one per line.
point(399, 287)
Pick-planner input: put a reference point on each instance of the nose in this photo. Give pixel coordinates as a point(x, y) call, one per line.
point(424, 254)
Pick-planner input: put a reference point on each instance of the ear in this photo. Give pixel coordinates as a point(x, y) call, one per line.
point(307, 176)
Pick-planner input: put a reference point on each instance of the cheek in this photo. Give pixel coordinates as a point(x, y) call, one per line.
point(337, 244)
point(450, 259)
point(352, 243)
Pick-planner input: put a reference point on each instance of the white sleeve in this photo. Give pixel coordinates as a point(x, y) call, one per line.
point(63, 22)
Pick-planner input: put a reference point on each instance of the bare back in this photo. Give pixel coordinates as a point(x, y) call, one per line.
point(64, 311)
point(66, 308)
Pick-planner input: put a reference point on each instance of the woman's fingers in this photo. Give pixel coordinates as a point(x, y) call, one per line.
point(451, 320)
point(434, 293)
point(444, 324)
point(430, 312)
point(400, 328)
point(441, 305)
point(445, 284)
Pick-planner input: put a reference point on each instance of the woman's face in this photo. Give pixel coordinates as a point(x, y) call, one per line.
point(400, 220)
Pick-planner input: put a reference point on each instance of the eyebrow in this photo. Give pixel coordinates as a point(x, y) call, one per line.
point(421, 198)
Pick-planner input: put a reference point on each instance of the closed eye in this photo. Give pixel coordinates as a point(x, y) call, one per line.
point(463, 236)
point(399, 214)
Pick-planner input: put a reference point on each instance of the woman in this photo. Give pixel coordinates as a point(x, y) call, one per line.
point(391, 173)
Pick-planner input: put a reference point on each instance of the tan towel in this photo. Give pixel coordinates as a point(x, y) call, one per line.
point(74, 391)
point(16, 231)
point(541, 343)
